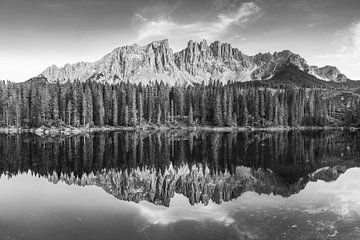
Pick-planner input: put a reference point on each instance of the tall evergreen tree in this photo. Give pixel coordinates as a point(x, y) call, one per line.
point(191, 115)
point(133, 110)
point(218, 112)
point(141, 111)
point(114, 109)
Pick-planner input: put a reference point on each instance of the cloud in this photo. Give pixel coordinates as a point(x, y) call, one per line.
point(180, 210)
point(139, 18)
point(344, 193)
point(346, 55)
point(167, 27)
point(316, 19)
point(348, 41)
point(341, 197)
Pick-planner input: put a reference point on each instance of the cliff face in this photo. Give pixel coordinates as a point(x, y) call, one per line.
point(198, 62)
point(222, 61)
point(328, 73)
point(196, 183)
point(133, 63)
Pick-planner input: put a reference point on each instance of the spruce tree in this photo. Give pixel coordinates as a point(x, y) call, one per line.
point(229, 117)
point(141, 111)
point(114, 109)
point(100, 108)
point(126, 115)
point(203, 107)
point(218, 113)
point(133, 110)
point(159, 115)
point(191, 115)
point(172, 111)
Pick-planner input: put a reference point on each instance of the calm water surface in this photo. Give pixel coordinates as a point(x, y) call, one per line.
point(175, 185)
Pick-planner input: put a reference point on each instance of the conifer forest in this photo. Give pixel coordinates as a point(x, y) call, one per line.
point(92, 104)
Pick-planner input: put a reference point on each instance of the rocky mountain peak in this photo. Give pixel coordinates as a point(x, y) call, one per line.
point(328, 73)
point(198, 62)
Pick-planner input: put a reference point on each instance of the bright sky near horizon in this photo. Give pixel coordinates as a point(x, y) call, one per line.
point(35, 34)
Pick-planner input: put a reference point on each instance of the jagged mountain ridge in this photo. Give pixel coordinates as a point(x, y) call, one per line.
point(133, 63)
point(198, 62)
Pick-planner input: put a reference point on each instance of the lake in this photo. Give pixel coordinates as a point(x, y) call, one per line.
point(181, 185)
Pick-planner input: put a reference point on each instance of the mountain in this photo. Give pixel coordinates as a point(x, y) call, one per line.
point(292, 75)
point(133, 63)
point(328, 73)
point(198, 62)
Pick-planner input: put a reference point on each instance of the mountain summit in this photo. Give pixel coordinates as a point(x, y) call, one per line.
point(198, 62)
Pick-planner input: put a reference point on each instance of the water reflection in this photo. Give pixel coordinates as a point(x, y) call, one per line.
point(323, 210)
point(203, 166)
point(33, 208)
point(256, 185)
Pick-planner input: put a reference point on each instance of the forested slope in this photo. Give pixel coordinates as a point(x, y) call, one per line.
point(37, 102)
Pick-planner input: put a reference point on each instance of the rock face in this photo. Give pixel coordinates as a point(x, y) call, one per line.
point(222, 62)
point(133, 63)
point(198, 62)
point(328, 73)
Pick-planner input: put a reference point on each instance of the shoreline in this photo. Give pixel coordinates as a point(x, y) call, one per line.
point(87, 130)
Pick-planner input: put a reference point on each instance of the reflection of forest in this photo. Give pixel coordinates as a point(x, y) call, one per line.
point(153, 166)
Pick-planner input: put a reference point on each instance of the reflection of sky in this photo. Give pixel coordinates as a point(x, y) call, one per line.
point(32, 206)
point(341, 197)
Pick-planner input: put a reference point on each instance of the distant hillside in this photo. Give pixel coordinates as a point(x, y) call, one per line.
point(292, 75)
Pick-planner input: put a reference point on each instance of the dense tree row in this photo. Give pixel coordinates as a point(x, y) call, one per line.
point(94, 104)
point(280, 151)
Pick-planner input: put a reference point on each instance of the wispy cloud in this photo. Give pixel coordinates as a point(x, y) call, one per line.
point(346, 53)
point(166, 26)
point(180, 210)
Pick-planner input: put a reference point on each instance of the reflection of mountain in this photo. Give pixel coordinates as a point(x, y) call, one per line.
point(155, 166)
point(196, 183)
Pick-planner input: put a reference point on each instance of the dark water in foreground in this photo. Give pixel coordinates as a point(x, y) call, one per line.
point(258, 185)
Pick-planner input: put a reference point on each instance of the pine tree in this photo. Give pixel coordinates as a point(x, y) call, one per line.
point(245, 117)
point(141, 111)
point(133, 110)
point(69, 112)
point(191, 115)
point(100, 108)
point(181, 103)
point(150, 105)
point(203, 107)
point(88, 111)
point(276, 110)
point(218, 113)
point(126, 115)
point(159, 115)
point(256, 105)
point(18, 121)
point(108, 104)
point(114, 109)
point(55, 108)
point(224, 107)
point(172, 111)
point(261, 104)
point(229, 117)
point(75, 105)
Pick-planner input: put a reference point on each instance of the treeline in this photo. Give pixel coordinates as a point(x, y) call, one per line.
point(37, 103)
point(292, 153)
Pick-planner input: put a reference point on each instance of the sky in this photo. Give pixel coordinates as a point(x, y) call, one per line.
point(35, 34)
